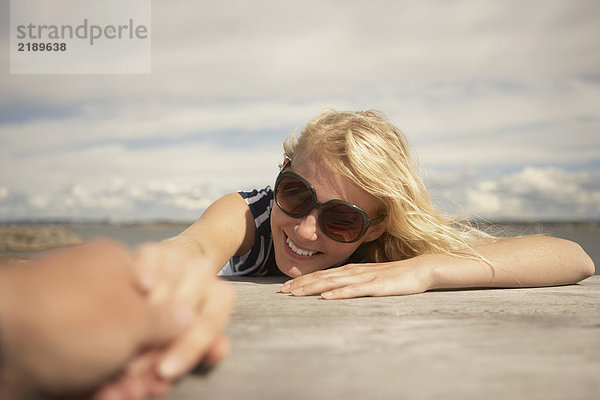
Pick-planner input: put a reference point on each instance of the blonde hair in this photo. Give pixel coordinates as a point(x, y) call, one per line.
point(370, 151)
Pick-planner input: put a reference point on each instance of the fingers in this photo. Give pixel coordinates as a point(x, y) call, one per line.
point(323, 281)
point(293, 285)
point(140, 381)
point(147, 260)
point(167, 274)
point(164, 322)
point(125, 388)
point(158, 269)
point(325, 284)
point(366, 284)
point(218, 350)
point(194, 285)
point(170, 277)
point(186, 294)
point(132, 387)
point(351, 281)
point(187, 350)
point(369, 288)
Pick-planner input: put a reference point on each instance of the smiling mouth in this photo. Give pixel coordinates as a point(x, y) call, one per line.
point(299, 251)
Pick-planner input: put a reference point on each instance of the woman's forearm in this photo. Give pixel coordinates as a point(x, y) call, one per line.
point(514, 262)
point(225, 229)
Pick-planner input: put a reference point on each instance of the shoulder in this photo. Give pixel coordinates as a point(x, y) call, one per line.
point(259, 260)
point(258, 196)
point(260, 202)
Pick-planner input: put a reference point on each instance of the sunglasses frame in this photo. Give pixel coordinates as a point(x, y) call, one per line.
point(367, 221)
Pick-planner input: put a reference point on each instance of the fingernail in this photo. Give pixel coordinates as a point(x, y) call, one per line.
point(326, 294)
point(298, 290)
point(285, 287)
point(169, 368)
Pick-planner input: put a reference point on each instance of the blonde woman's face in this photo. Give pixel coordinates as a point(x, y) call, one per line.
point(299, 244)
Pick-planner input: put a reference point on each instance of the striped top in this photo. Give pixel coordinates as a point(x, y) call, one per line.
point(260, 260)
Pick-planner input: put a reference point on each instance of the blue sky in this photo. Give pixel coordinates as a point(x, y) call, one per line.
point(500, 100)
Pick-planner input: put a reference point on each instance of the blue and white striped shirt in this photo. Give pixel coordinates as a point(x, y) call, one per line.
point(260, 260)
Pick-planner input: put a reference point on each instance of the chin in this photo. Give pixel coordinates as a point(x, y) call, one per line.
point(291, 271)
point(293, 268)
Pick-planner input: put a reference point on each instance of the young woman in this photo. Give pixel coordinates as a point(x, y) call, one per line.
point(349, 216)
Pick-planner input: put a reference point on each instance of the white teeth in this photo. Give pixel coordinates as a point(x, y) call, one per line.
point(299, 251)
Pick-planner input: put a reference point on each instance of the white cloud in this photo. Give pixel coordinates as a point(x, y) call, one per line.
point(176, 182)
point(191, 164)
point(474, 84)
point(318, 48)
point(538, 193)
point(531, 193)
point(133, 202)
point(147, 122)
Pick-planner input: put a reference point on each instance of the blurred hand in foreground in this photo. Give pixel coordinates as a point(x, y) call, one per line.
point(74, 320)
point(167, 275)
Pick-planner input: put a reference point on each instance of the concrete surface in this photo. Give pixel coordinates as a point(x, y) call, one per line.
point(541, 343)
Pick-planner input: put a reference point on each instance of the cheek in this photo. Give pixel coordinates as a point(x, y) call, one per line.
point(341, 251)
point(277, 218)
point(337, 252)
point(278, 221)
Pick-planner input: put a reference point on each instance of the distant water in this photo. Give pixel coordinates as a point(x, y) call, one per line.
point(130, 235)
point(586, 234)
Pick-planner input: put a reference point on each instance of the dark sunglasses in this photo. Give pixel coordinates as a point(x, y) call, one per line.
point(339, 220)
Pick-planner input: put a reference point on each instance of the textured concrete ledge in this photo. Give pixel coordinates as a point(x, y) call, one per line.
point(541, 343)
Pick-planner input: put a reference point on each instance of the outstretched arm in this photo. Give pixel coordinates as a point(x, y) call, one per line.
point(528, 261)
point(181, 268)
point(225, 229)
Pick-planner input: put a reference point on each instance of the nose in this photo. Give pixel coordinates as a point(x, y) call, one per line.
point(307, 226)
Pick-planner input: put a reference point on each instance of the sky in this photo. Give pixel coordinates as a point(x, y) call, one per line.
point(500, 101)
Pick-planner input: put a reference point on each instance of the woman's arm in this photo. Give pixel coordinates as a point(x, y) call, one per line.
point(527, 261)
point(176, 269)
point(224, 230)
point(513, 262)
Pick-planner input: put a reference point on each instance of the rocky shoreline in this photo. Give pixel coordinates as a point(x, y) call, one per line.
point(18, 238)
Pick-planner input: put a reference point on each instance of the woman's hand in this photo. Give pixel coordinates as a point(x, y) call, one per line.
point(527, 261)
point(167, 273)
point(357, 280)
point(140, 381)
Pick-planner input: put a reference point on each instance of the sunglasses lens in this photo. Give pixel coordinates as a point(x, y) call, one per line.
point(294, 197)
point(341, 222)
